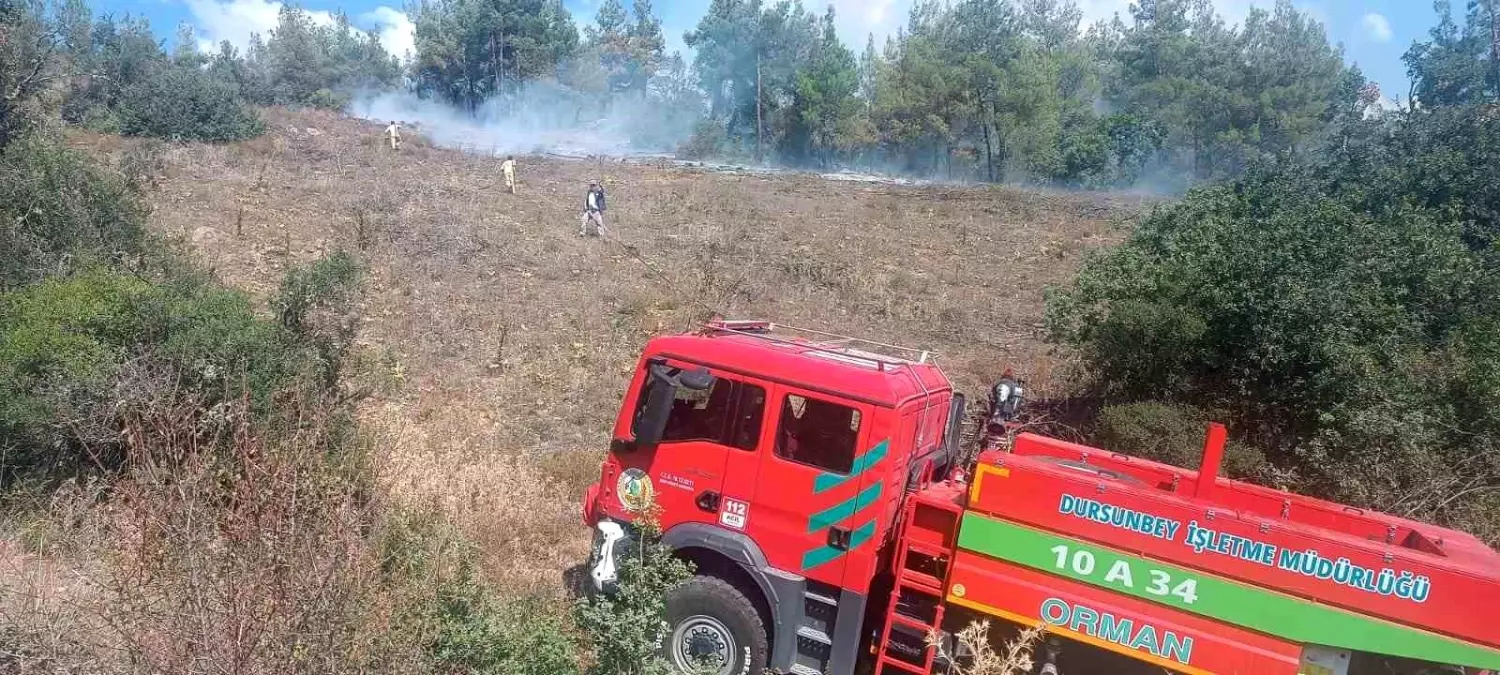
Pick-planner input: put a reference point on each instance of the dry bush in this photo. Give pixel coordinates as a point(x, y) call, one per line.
point(229, 551)
point(143, 163)
point(979, 655)
point(256, 562)
point(526, 527)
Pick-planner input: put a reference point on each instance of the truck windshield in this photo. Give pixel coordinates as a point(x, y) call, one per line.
point(728, 413)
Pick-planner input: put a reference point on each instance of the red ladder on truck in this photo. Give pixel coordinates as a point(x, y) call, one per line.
point(924, 551)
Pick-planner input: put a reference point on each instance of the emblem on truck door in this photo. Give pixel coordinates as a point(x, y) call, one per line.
point(634, 490)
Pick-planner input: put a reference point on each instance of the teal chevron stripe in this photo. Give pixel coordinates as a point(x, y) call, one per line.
point(838, 512)
point(827, 481)
point(826, 554)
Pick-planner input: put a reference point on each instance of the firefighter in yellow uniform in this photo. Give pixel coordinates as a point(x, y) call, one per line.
point(394, 133)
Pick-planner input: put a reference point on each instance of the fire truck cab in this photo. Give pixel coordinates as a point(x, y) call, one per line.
point(777, 465)
point(809, 478)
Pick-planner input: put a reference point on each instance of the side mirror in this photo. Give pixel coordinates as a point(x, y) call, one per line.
point(951, 451)
point(697, 380)
point(957, 408)
point(661, 390)
point(651, 423)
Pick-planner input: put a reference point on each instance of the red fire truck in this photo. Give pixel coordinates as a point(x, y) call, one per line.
point(809, 477)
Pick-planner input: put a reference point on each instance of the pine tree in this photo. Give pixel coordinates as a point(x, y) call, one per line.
point(826, 98)
point(469, 51)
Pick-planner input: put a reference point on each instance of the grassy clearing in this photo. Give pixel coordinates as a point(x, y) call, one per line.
point(501, 340)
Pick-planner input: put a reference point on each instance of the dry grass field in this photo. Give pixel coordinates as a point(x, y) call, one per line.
point(500, 340)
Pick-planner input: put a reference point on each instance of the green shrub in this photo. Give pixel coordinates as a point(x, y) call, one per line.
point(709, 140)
point(1270, 297)
point(476, 633)
point(216, 342)
point(327, 282)
point(84, 346)
point(468, 628)
point(79, 352)
point(75, 351)
point(62, 213)
point(61, 345)
point(1471, 366)
point(185, 103)
point(1343, 328)
point(460, 623)
point(625, 629)
point(328, 100)
point(314, 304)
point(1170, 433)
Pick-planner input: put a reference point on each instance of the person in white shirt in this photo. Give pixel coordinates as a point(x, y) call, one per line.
point(593, 212)
point(394, 133)
point(508, 168)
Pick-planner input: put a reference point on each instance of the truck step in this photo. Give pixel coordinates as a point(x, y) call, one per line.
point(814, 635)
point(820, 598)
point(902, 619)
point(799, 669)
point(922, 582)
point(901, 665)
point(927, 549)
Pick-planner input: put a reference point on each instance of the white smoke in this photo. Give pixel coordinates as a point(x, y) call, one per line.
point(545, 118)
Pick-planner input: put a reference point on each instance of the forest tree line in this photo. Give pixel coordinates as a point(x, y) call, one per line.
point(987, 90)
point(112, 74)
point(983, 90)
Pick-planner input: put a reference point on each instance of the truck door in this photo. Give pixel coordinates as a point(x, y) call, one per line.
point(883, 482)
point(710, 434)
point(809, 507)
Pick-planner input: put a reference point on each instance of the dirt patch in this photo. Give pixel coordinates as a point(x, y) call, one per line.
point(511, 337)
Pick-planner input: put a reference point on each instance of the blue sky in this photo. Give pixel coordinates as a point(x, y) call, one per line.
point(1374, 33)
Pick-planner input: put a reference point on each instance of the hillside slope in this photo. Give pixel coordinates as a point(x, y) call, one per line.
point(502, 339)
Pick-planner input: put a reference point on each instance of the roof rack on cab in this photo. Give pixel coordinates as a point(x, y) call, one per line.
point(821, 342)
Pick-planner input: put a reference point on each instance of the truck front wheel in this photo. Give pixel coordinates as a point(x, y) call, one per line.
point(713, 629)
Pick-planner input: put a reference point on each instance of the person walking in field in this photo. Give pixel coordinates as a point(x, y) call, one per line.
point(393, 132)
point(508, 168)
point(593, 212)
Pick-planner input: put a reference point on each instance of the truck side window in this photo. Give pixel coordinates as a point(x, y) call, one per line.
point(818, 433)
point(749, 412)
point(700, 415)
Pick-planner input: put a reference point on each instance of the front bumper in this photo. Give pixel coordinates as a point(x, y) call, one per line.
point(611, 543)
point(591, 505)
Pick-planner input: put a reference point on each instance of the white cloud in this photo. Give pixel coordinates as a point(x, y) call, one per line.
point(1232, 11)
point(236, 20)
point(872, 12)
point(396, 30)
point(1376, 27)
point(858, 19)
point(1102, 10)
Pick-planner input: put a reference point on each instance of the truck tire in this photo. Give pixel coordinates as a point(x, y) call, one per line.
point(713, 629)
